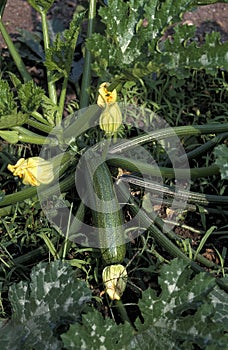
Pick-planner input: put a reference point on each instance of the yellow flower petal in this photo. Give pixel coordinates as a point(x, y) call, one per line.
point(17, 169)
point(33, 171)
point(106, 97)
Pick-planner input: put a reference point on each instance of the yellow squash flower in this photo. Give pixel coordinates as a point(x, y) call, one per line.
point(33, 171)
point(111, 117)
point(115, 280)
point(106, 97)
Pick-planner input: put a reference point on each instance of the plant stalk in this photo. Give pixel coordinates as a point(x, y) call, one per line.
point(191, 197)
point(40, 126)
point(86, 78)
point(16, 57)
point(136, 166)
point(165, 133)
point(51, 85)
point(20, 196)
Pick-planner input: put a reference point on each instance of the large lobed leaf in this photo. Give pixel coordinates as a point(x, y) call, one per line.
point(59, 56)
point(53, 299)
point(134, 41)
point(221, 154)
point(190, 312)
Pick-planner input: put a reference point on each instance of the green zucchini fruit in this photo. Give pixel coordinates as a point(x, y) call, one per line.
point(107, 215)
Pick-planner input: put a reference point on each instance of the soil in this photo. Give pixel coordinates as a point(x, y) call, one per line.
point(19, 14)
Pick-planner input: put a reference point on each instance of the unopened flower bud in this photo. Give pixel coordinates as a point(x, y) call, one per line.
point(115, 280)
point(110, 119)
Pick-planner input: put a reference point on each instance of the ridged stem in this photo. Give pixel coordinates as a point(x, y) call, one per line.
point(20, 196)
point(51, 85)
point(134, 165)
point(165, 133)
point(86, 78)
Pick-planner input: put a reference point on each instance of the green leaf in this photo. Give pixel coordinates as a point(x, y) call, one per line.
point(183, 316)
point(132, 30)
point(60, 55)
point(134, 41)
point(220, 302)
point(50, 109)
point(14, 119)
point(96, 333)
point(30, 45)
point(181, 55)
point(41, 5)
point(53, 299)
point(7, 101)
point(221, 154)
point(30, 96)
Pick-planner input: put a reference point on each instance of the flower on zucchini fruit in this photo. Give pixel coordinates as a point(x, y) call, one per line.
point(33, 171)
point(115, 280)
point(111, 117)
point(106, 97)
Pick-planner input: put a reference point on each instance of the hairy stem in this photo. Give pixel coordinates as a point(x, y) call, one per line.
point(86, 78)
point(51, 85)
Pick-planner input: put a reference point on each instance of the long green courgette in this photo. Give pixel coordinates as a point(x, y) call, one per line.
point(107, 215)
point(108, 218)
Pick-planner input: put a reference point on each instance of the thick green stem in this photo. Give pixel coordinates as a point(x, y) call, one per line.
point(205, 147)
point(20, 196)
point(162, 238)
point(23, 131)
point(16, 57)
point(51, 85)
point(86, 118)
point(62, 101)
point(191, 197)
point(86, 78)
point(161, 224)
point(161, 134)
point(39, 140)
point(158, 235)
point(39, 126)
point(122, 312)
point(134, 165)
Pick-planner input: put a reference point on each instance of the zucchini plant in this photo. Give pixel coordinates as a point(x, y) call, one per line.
point(131, 48)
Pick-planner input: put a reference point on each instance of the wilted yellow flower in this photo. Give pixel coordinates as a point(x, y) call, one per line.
point(115, 280)
point(33, 171)
point(106, 97)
